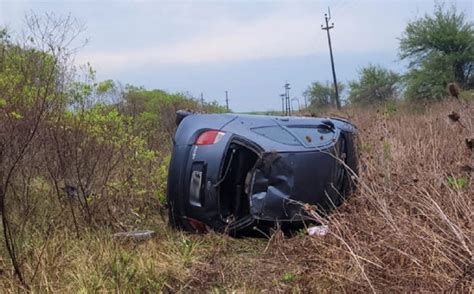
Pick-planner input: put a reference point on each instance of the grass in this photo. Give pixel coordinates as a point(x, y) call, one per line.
point(408, 228)
point(458, 183)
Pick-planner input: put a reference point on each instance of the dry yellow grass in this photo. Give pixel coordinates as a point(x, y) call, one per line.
point(409, 227)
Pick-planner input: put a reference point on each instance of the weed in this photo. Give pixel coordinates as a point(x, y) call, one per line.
point(387, 150)
point(391, 108)
point(458, 183)
point(288, 278)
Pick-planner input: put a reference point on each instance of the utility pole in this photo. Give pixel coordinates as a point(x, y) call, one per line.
point(282, 103)
point(287, 99)
point(327, 28)
point(227, 100)
point(202, 99)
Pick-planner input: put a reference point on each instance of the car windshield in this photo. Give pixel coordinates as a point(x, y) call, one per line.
point(313, 136)
point(277, 134)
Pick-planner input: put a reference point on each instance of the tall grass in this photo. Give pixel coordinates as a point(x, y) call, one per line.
point(409, 227)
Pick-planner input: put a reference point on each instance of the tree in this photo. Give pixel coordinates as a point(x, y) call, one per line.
point(33, 74)
point(375, 84)
point(322, 95)
point(440, 50)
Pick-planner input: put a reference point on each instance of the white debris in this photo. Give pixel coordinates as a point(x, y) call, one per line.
point(321, 230)
point(135, 235)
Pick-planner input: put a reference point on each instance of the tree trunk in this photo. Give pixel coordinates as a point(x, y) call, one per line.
point(459, 76)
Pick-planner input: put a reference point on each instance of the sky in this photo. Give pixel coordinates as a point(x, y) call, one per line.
point(248, 48)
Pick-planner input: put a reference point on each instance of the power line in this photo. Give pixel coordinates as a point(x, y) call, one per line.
point(340, 7)
point(327, 28)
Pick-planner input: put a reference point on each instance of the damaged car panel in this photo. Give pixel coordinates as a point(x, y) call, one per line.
point(230, 172)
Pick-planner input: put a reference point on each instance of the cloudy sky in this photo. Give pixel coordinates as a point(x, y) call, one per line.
point(250, 48)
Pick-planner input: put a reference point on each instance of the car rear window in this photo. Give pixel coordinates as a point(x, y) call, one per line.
point(312, 135)
point(277, 134)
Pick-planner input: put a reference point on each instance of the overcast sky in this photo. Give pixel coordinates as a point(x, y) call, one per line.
point(250, 48)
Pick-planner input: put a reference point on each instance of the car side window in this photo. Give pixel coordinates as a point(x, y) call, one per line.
point(277, 134)
point(312, 135)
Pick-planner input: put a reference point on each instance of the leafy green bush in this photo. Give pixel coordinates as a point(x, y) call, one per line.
point(439, 48)
point(375, 85)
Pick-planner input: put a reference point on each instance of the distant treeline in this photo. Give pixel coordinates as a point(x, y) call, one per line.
point(439, 49)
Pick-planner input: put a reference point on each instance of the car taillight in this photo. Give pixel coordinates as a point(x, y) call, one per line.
point(209, 137)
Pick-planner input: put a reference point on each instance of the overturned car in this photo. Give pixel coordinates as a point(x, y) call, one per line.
point(233, 172)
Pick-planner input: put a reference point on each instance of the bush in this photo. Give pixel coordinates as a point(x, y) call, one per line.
point(375, 85)
point(439, 48)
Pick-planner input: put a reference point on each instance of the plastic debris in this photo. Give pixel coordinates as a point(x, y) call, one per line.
point(135, 235)
point(318, 230)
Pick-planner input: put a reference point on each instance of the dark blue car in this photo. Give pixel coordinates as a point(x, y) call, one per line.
point(230, 172)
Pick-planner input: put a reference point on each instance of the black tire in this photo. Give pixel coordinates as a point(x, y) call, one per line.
point(180, 115)
point(352, 169)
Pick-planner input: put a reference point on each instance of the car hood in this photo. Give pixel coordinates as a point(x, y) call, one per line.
point(282, 182)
